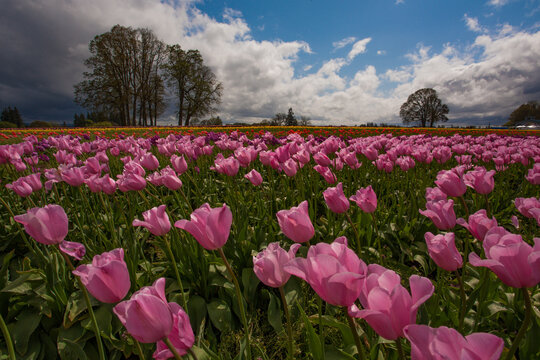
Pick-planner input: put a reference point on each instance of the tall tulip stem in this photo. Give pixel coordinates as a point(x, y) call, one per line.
point(240, 300)
point(289, 325)
point(358, 246)
point(172, 348)
point(352, 325)
point(463, 297)
point(7, 336)
point(524, 326)
point(175, 266)
point(89, 307)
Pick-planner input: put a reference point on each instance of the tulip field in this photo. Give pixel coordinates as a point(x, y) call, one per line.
point(257, 243)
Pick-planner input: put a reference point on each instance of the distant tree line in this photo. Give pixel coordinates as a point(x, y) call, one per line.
point(529, 112)
point(288, 119)
point(131, 72)
point(11, 117)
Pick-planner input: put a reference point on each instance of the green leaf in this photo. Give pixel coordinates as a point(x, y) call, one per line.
point(197, 312)
point(314, 343)
point(332, 322)
point(220, 314)
point(250, 282)
point(5, 268)
point(333, 353)
point(22, 284)
point(74, 307)
point(104, 318)
point(274, 313)
point(26, 324)
point(70, 350)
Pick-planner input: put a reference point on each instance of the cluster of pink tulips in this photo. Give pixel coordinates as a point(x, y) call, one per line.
point(345, 273)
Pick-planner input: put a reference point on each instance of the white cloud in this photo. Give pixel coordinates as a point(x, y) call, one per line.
point(45, 47)
point(359, 47)
point(343, 42)
point(381, 52)
point(472, 23)
point(498, 3)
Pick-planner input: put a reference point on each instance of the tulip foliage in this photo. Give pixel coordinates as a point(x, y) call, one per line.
point(293, 246)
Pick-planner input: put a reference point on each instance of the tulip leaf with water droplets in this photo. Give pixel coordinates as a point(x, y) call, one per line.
point(220, 314)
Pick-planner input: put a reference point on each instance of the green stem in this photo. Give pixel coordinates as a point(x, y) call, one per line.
point(463, 301)
point(375, 227)
point(358, 246)
point(139, 349)
point(488, 209)
point(524, 326)
point(89, 307)
point(172, 348)
point(352, 325)
point(178, 279)
point(240, 300)
point(192, 353)
point(7, 336)
point(321, 326)
point(400, 349)
point(289, 325)
point(462, 199)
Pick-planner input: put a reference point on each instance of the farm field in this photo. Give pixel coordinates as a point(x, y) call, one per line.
point(271, 243)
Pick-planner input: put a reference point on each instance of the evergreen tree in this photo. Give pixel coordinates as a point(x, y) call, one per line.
point(290, 120)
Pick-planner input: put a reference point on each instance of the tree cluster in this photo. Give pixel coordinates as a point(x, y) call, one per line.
point(128, 74)
point(12, 116)
point(524, 112)
point(288, 119)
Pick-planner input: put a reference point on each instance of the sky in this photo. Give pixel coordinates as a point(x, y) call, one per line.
point(344, 62)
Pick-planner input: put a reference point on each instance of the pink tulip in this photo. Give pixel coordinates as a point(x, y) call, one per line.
point(351, 160)
point(209, 226)
point(149, 161)
point(169, 179)
point(335, 199)
point(130, 181)
point(269, 264)
point(480, 180)
point(181, 335)
point(179, 164)
point(451, 183)
point(254, 177)
point(156, 221)
point(366, 199)
point(326, 173)
point(20, 187)
point(321, 159)
point(47, 225)
point(441, 213)
point(533, 176)
point(73, 249)
point(388, 306)
point(74, 176)
point(146, 315)
point(289, 167)
point(107, 278)
point(445, 343)
point(525, 205)
point(435, 194)
point(34, 180)
point(479, 224)
point(333, 270)
point(442, 249)
point(295, 223)
point(514, 261)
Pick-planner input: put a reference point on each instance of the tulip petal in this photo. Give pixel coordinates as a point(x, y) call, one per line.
point(74, 249)
point(483, 346)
